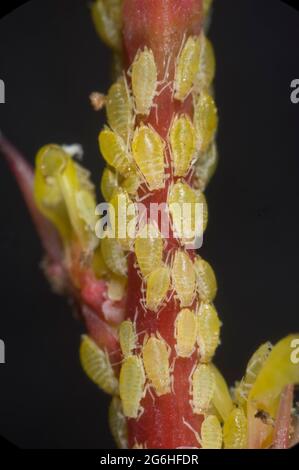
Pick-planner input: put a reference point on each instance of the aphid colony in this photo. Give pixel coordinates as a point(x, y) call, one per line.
point(142, 151)
point(136, 157)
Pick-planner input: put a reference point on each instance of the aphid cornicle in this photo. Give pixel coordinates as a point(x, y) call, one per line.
point(131, 385)
point(109, 183)
point(158, 284)
point(252, 370)
point(185, 333)
point(205, 167)
point(149, 249)
point(119, 108)
point(203, 387)
point(183, 277)
point(205, 120)
point(156, 363)
point(208, 331)
point(96, 364)
point(205, 280)
point(127, 338)
point(189, 211)
point(183, 144)
point(114, 256)
point(235, 430)
point(211, 433)
point(118, 424)
point(114, 151)
point(186, 68)
point(148, 153)
point(144, 80)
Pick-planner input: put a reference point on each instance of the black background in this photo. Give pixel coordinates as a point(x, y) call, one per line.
point(50, 60)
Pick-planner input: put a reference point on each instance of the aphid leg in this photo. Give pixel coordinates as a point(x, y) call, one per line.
point(148, 389)
point(141, 411)
point(196, 434)
point(172, 383)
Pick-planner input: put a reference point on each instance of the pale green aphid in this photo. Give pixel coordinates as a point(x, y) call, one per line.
point(144, 80)
point(118, 423)
point(131, 385)
point(97, 366)
point(127, 337)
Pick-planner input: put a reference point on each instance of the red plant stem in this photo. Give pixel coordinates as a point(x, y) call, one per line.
point(281, 439)
point(162, 27)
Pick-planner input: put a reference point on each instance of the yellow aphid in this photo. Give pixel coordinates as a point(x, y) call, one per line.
point(205, 279)
point(144, 80)
point(211, 433)
point(118, 424)
point(119, 108)
point(116, 287)
point(205, 167)
point(205, 120)
point(183, 278)
point(149, 249)
point(208, 331)
point(114, 151)
point(207, 65)
point(185, 333)
point(186, 68)
point(183, 144)
point(131, 385)
point(235, 430)
point(127, 338)
point(189, 211)
point(114, 256)
point(107, 18)
point(221, 399)
point(96, 365)
point(156, 363)
point(253, 368)
point(122, 217)
point(148, 153)
point(203, 387)
point(280, 369)
point(131, 183)
point(109, 183)
point(158, 284)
